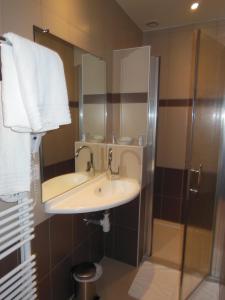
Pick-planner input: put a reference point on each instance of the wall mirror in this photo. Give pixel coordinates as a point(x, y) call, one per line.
point(86, 83)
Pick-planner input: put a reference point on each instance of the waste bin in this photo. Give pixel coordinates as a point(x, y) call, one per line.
point(85, 276)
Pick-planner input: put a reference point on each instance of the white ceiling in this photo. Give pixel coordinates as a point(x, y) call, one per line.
point(171, 13)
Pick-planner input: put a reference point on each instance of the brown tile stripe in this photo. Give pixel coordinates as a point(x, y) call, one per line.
point(127, 97)
point(175, 102)
point(95, 99)
point(187, 102)
point(74, 104)
point(138, 98)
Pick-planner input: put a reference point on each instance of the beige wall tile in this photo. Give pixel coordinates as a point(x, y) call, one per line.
point(94, 119)
point(133, 120)
point(175, 50)
point(116, 119)
point(1, 17)
point(131, 70)
point(221, 32)
point(90, 25)
point(93, 75)
point(159, 42)
point(20, 16)
point(180, 58)
point(172, 137)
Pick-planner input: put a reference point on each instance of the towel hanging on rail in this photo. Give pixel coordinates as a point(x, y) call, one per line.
point(34, 99)
point(40, 92)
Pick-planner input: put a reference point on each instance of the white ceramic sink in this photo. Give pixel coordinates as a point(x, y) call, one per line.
point(60, 184)
point(97, 194)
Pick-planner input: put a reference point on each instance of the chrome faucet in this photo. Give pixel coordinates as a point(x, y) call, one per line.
point(111, 172)
point(90, 163)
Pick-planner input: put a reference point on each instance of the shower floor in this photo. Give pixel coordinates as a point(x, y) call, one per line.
point(207, 291)
point(118, 277)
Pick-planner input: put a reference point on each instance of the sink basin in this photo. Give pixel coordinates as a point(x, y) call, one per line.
point(60, 184)
point(97, 194)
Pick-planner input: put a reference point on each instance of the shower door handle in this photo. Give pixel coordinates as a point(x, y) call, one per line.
point(199, 173)
point(195, 191)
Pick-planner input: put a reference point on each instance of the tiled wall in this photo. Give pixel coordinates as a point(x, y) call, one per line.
point(175, 48)
point(57, 169)
point(10, 262)
point(63, 138)
point(129, 100)
point(61, 242)
point(169, 194)
point(94, 91)
point(126, 240)
point(122, 241)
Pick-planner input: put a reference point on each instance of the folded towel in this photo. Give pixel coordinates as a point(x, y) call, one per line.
point(33, 99)
point(34, 92)
point(15, 156)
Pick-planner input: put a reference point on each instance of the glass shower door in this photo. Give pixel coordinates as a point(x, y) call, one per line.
point(202, 163)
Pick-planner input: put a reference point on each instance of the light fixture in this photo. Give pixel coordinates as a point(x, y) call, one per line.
point(152, 24)
point(194, 5)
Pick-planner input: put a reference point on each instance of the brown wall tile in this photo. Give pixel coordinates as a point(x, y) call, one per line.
point(126, 245)
point(80, 230)
point(126, 216)
point(171, 209)
point(82, 253)
point(44, 289)
point(123, 237)
point(142, 224)
point(157, 206)
point(9, 263)
point(60, 237)
point(158, 180)
point(41, 247)
point(109, 242)
point(62, 287)
point(170, 194)
point(172, 185)
point(60, 168)
point(97, 245)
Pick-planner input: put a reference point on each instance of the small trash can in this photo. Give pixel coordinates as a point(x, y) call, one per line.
point(85, 276)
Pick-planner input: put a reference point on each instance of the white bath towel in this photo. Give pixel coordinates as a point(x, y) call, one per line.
point(35, 99)
point(15, 156)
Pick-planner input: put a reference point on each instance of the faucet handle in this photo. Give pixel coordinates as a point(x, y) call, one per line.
point(88, 166)
point(116, 172)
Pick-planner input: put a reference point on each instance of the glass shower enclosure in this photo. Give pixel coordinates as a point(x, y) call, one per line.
point(203, 156)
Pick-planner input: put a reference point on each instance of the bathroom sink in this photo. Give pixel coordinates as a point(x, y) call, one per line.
point(97, 194)
point(60, 184)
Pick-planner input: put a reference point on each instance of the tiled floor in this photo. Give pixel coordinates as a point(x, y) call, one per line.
point(207, 291)
point(118, 278)
point(155, 282)
point(167, 241)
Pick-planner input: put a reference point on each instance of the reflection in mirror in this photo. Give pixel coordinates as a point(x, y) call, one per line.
point(93, 101)
point(130, 95)
point(86, 84)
